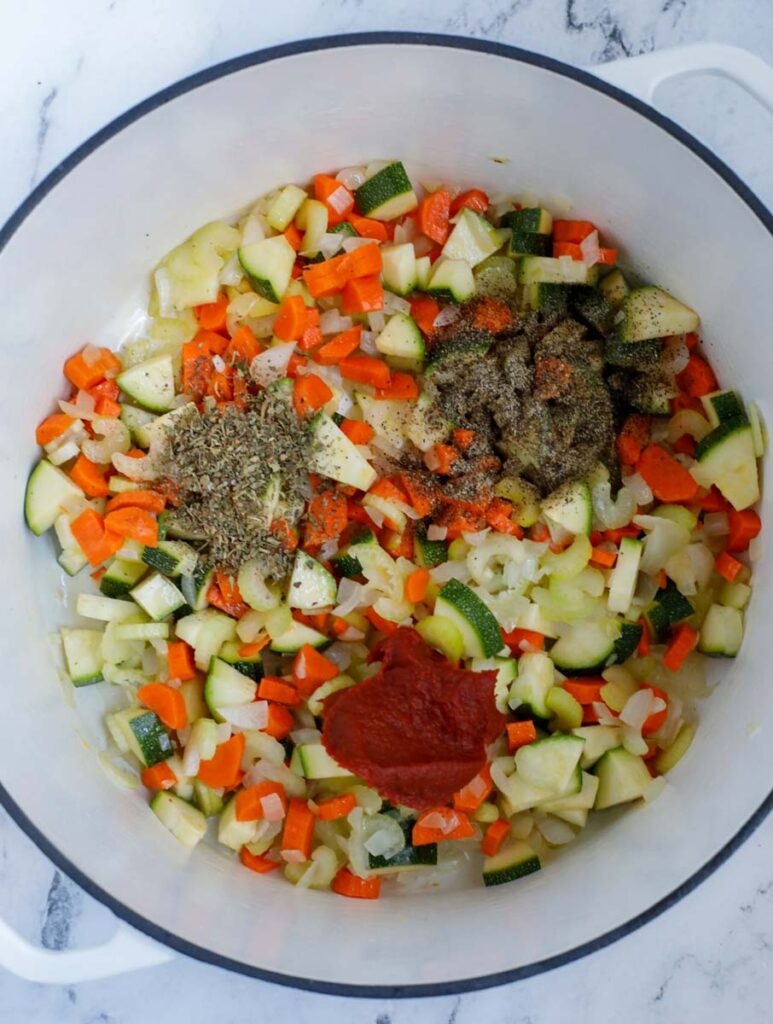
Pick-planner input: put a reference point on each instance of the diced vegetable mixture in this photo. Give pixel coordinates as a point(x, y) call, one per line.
point(410, 520)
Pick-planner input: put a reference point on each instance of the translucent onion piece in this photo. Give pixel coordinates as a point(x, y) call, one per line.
point(115, 438)
point(271, 365)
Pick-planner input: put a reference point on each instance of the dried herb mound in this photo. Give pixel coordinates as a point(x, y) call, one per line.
point(236, 471)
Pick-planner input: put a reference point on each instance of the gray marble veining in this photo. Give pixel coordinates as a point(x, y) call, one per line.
point(69, 68)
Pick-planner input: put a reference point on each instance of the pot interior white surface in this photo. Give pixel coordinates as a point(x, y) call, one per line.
point(76, 272)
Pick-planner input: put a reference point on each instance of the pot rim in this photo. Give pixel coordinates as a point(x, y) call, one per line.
point(12, 225)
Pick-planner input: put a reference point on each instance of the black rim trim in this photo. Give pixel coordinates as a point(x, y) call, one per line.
point(9, 229)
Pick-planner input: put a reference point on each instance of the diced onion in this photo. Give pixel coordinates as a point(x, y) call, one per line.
point(376, 321)
point(589, 247)
point(273, 807)
point(351, 177)
point(76, 411)
point(639, 707)
point(444, 823)
point(340, 200)
point(716, 524)
point(247, 716)
point(90, 354)
point(271, 364)
point(605, 716)
point(330, 243)
point(339, 654)
point(474, 539)
point(674, 355)
point(406, 232)
point(331, 322)
point(395, 303)
point(350, 595)
point(755, 549)
point(555, 831)
point(350, 243)
point(223, 732)
point(640, 489)
point(376, 516)
point(423, 245)
point(368, 343)
point(437, 532)
point(447, 315)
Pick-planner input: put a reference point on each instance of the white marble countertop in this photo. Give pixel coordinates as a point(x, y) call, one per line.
point(69, 68)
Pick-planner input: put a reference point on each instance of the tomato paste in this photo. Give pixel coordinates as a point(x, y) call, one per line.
point(417, 730)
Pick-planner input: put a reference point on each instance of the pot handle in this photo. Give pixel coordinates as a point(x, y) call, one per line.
point(126, 950)
point(642, 75)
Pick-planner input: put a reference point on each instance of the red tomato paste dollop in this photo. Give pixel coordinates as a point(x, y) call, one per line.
point(417, 730)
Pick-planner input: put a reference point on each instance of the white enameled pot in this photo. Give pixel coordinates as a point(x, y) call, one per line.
point(74, 268)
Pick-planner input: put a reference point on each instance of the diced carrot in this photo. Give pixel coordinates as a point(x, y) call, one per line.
point(470, 797)
point(258, 863)
point(385, 626)
point(236, 609)
point(362, 295)
point(368, 228)
point(52, 427)
point(365, 261)
point(691, 340)
point(615, 536)
point(697, 378)
point(440, 458)
point(399, 545)
point(517, 638)
point(212, 315)
point(358, 431)
point(98, 574)
point(336, 807)
point(403, 387)
point(685, 445)
point(498, 517)
point(606, 257)
point(416, 585)
point(683, 641)
point(457, 523)
point(197, 367)
point(539, 533)
point(312, 335)
point(474, 199)
point(339, 347)
point(643, 647)
point(108, 408)
point(388, 488)
point(519, 734)
point(249, 802)
point(432, 216)
point(667, 478)
point(712, 501)
point(106, 389)
point(632, 438)
point(290, 321)
point(657, 720)
point(463, 438)
point(572, 230)
point(336, 197)
point(589, 715)
point(744, 527)
point(425, 311)
point(250, 650)
point(135, 523)
point(347, 884)
point(421, 494)
point(223, 769)
point(298, 830)
point(287, 533)
point(158, 776)
point(584, 691)
point(84, 375)
point(456, 826)
point(167, 703)
point(603, 559)
point(180, 658)
point(494, 837)
point(293, 236)
point(310, 393)
point(727, 566)
point(280, 721)
point(151, 501)
point(89, 477)
point(570, 249)
point(326, 517)
point(281, 692)
point(686, 402)
point(365, 370)
point(311, 669)
point(96, 542)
